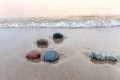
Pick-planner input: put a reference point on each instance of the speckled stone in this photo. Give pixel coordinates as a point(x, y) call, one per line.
point(101, 55)
point(33, 54)
point(57, 36)
point(42, 42)
point(51, 56)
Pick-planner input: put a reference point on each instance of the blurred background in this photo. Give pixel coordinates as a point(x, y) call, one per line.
point(35, 8)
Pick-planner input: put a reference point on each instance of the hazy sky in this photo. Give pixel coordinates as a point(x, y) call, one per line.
point(18, 8)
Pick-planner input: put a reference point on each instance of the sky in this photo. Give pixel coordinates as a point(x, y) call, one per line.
point(33, 8)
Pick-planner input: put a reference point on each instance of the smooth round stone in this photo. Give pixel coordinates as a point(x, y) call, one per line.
point(42, 42)
point(51, 56)
point(33, 54)
point(101, 55)
point(57, 36)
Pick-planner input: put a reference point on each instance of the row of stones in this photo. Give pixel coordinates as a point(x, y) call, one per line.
point(49, 56)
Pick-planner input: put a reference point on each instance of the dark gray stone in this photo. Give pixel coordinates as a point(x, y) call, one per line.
point(51, 56)
point(57, 36)
point(101, 55)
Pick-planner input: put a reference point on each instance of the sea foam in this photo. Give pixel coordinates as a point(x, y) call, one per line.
point(69, 22)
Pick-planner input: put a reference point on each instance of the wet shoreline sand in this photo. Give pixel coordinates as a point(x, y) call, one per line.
point(74, 50)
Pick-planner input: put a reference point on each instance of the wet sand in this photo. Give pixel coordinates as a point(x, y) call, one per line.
point(74, 50)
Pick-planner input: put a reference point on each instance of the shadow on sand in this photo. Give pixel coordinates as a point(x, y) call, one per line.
point(57, 41)
point(34, 60)
point(102, 62)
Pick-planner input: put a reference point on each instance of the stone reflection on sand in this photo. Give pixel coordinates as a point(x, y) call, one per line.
point(58, 40)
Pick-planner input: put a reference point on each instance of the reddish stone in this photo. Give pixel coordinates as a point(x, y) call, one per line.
point(33, 54)
point(42, 42)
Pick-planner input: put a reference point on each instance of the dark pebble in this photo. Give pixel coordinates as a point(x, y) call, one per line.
point(57, 36)
point(51, 56)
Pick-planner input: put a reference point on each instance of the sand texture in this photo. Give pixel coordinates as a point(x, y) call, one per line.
point(74, 50)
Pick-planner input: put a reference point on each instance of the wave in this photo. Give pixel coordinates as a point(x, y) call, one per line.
point(71, 21)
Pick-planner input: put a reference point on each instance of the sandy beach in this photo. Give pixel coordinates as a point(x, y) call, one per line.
point(74, 50)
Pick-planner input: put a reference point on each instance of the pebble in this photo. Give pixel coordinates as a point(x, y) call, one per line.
point(42, 42)
point(33, 54)
point(102, 55)
point(57, 36)
point(51, 56)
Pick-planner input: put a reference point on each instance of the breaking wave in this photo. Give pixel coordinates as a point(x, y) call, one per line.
point(69, 22)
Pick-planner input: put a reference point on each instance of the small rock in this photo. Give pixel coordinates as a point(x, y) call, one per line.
point(101, 55)
point(51, 56)
point(42, 42)
point(33, 54)
point(57, 36)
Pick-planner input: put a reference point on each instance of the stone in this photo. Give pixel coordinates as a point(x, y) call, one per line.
point(102, 55)
point(57, 36)
point(51, 56)
point(33, 54)
point(42, 42)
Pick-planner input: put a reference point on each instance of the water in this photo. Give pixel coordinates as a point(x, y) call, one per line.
point(69, 22)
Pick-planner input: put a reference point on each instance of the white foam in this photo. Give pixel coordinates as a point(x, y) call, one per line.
point(62, 22)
